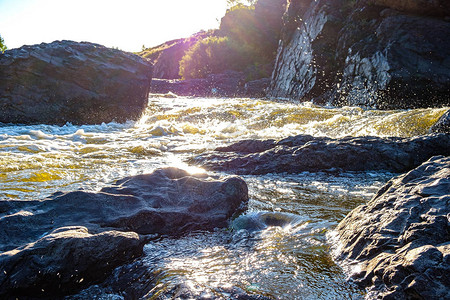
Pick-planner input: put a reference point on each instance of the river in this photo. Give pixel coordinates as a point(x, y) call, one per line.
point(278, 248)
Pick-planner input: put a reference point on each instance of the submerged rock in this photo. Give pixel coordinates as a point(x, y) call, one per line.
point(398, 244)
point(168, 201)
point(306, 153)
point(64, 81)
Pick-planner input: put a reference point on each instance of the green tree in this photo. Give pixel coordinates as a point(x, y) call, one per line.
point(2, 45)
point(214, 55)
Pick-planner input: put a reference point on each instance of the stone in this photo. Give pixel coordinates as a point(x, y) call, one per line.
point(64, 261)
point(168, 201)
point(65, 81)
point(374, 54)
point(69, 241)
point(398, 244)
point(443, 124)
point(306, 153)
point(419, 7)
point(227, 84)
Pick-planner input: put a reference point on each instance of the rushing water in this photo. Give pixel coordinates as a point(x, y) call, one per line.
point(278, 248)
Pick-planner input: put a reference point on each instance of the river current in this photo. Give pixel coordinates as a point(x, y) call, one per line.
point(283, 253)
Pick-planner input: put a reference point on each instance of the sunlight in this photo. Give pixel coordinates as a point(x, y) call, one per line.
point(176, 162)
point(127, 25)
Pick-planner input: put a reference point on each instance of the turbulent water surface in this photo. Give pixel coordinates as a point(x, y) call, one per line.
point(278, 248)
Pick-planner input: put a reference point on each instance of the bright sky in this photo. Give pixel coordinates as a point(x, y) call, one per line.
point(126, 24)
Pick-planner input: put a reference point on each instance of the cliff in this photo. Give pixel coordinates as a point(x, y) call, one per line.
point(372, 53)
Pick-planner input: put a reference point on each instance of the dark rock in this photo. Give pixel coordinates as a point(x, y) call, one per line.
point(358, 53)
point(65, 260)
point(398, 244)
point(228, 84)
point(443, 124)
point(256, 88)
point(306, 153)
point(65, 81)
point(168, 201)
point(439, 8)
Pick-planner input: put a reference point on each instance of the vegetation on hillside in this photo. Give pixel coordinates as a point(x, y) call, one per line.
point(247, 42)
point(2, 45)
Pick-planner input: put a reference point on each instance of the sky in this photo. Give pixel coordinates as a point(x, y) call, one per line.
point(125, 24)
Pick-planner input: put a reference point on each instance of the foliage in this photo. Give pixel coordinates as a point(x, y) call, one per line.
point(2, 45)
point(213, 55)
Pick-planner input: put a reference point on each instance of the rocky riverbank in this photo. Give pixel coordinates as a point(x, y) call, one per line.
point(398, 244)
point(67, 242)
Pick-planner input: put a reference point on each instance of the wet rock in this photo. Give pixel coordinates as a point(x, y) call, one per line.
point(92, 233)
point(418, 7)
point(228, 84)
point(306, 153)
point(398, 244)
point(443, 124)
point(65, 81)
point(366, 53)
point(256, 88)
point(167, 201)
point(63, 261)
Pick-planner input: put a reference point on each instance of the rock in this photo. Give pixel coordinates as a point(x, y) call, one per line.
point(93, 233)
point(256, 88)
point(306, 153)
point(228, 84)
point(419, 7)
point(64, 261)
point(398, 244)
point(167, 201)
point(65, 81)
point(357, 53)
point(443, 124)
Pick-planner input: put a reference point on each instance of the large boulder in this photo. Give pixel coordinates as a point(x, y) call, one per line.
point(306, 153)
point(71, 240)
point(64, 261)
point(398, 244)
point(66, 81)
point(371, 53)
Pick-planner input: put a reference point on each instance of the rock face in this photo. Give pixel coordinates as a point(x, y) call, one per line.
point(398, 244)
point(379, 54)
point(306, 153)
point(91, 233)
point(443, 124)
point(65, 81)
